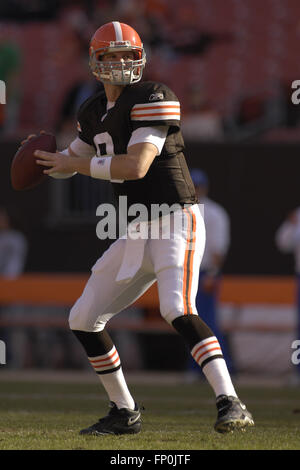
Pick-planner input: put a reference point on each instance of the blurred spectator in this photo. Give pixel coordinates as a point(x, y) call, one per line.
point(29, 10)
point(217, 225)
point(10, 64)
point(13, 248)
point(192, 43)
point(13, 251)
point(287, 239)
point(201, 122)
point(77, 34)
point(149, 19)
point(29, 344)
point(257, 113)
point(79, 92)
point(189, 36)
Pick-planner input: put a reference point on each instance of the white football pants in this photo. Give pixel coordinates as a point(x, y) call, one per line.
point(130, 266)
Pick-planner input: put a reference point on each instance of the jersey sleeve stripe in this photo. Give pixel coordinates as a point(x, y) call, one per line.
point(138, 110)
point(159, 104)
point(156, 117)
point(156, 111)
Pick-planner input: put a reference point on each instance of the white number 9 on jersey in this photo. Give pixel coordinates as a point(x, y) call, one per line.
point(105, 146)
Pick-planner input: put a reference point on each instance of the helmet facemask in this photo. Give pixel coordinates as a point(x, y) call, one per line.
point(118, 72)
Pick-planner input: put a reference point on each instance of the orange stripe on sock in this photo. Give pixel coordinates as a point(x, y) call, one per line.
point(204, 345)
point(210, 350)
point(109, 363)
point(93, 361)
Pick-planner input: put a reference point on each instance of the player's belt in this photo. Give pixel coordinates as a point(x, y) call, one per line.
point(136, 238)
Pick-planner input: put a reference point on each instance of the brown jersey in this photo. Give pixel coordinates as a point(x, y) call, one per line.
point(144, 104)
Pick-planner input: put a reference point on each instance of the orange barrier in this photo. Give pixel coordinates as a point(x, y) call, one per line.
point(258, 290)
point(64, 289)
point(42, 288)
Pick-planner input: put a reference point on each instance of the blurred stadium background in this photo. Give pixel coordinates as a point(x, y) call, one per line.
point(231, 63)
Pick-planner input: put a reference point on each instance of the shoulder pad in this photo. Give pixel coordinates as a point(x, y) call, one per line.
point(149, 92)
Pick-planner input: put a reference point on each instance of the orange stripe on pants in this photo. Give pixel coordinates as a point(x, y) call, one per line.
point(188, 262)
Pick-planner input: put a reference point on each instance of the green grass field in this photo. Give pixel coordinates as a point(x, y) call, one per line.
point(48, 416)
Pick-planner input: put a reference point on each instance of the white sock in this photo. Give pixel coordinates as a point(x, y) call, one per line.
point(218, 377)
point(208, 354)
point(109, 370)
point(117, 390)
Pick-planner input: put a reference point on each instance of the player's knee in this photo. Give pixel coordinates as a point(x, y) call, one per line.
point(76, 319)
point(170, 310)
point(81, 315)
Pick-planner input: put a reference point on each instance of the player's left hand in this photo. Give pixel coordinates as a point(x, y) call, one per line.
point(57, 162)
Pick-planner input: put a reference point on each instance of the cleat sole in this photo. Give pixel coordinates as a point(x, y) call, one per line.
point(131, 430)
point(234, 425)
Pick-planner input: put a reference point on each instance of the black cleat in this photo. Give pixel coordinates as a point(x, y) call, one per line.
point(232, 415)
point(118, 421)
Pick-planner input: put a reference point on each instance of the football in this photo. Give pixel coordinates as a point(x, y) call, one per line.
point(25, 172)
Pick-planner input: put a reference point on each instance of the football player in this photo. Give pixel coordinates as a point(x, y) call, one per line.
point(130, 134)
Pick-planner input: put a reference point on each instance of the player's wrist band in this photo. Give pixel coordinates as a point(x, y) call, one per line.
point(100, 167)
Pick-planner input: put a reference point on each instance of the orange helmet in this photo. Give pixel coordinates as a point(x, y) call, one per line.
point(115, 37)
